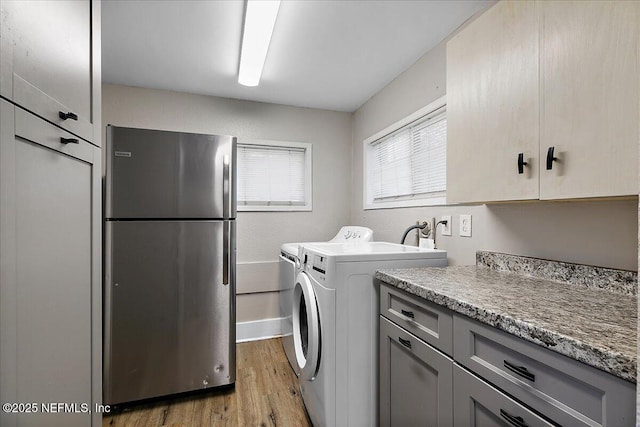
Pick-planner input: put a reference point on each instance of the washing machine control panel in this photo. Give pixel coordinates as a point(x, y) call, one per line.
point(314, 264)
point(319, 263)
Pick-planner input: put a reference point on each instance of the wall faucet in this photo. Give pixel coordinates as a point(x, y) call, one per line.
point(435, 228)
point(421, 226)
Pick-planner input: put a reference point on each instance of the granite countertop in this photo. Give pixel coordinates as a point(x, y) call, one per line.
point(589, 324)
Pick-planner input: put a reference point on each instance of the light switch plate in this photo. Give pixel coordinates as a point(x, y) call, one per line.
point(465, 225)
point(446, 229)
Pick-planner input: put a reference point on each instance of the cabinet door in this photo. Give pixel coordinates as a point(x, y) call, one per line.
point(590, 91)
point(492, 106)
point(50, 280)
point(415, 380)
point(478, 404)
point(46, 60)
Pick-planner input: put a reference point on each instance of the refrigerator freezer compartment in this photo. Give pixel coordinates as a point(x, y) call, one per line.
point(158, 174)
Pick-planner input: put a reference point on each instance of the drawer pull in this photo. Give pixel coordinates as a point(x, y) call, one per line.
point(520, 370)
point(69, 115)
point(515, 421)
point(405, 343)
point(408, 313)
point(69, 141)
point(521, 163)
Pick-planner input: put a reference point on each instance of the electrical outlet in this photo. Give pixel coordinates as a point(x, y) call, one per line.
point(446, 229)
point(465, 225)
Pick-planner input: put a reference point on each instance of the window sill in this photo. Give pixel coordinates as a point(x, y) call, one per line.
point(436, 201)
point(274, 208)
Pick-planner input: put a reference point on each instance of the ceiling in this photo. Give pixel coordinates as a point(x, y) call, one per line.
point(325, 54)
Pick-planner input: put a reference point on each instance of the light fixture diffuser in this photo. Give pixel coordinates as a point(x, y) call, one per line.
point(259, 20)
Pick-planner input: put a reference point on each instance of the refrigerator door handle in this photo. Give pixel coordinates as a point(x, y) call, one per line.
point(226, 208)
point(226, 186)
point(226, 253)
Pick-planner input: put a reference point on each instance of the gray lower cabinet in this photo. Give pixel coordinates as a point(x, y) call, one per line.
point(478, 404)
point(415, 380)
point(493, 379)
point(50, 281)
point(568, 392)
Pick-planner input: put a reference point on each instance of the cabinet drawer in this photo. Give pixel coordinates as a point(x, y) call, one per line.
point(428, 321)
point(565, 390)
point(476, 403)
point(33, 129)
point(33, 99)
point(415, 380)
point(47, 64)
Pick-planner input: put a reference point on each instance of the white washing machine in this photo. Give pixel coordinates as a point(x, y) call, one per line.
point(288, 271)
point(335, 326)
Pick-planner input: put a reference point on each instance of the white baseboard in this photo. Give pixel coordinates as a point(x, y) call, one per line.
point(259, 329)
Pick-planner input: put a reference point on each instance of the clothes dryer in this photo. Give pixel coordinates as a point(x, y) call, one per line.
point(335, 325)
point(288, 264)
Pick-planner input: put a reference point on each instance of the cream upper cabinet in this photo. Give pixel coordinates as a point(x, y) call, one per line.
point(48, 60)
point(527, 76)
point(492, 106)
point(590, 76)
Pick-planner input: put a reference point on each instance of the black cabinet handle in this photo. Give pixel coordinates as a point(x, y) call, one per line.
point(69, 141)
point(520, 370)
point(550, 158)
point(405, 343)
point(408, 313)
point(521, 163)
point(514, 421)
point(69, 115)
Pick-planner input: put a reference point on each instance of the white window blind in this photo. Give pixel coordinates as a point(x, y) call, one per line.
point(411, 162)
point(272, 175)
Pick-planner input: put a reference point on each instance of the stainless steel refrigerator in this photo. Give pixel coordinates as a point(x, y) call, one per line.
point(169, 289)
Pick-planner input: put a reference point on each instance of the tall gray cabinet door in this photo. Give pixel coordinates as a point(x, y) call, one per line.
point(415, 380)
point(478, 404)
point(46, 60)
point(49, 218)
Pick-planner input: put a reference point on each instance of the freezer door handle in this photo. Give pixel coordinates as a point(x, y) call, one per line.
point(226, 253)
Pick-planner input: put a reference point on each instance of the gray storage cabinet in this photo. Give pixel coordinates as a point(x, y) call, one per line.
point(50, 214)
point(416, 383)
point(493, 379)
point(567, 391)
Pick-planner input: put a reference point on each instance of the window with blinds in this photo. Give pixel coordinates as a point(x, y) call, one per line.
point(274, 176)
point(407, 167)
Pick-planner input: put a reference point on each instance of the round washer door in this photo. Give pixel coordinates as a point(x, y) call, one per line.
point(306, 327)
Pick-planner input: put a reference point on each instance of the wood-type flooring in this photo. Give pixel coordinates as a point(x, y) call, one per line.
point(266, 394)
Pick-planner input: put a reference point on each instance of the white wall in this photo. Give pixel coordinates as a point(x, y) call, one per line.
point(260, 234)
point(602, 233)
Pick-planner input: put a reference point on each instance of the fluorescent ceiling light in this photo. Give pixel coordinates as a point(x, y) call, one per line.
point(259, 20)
